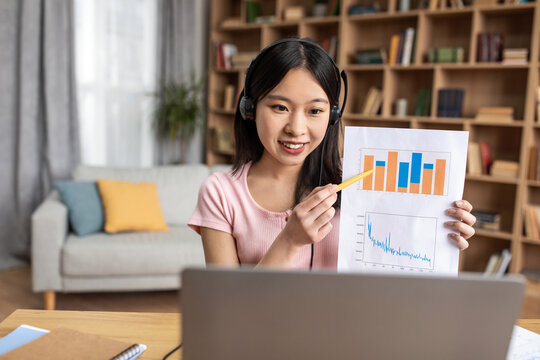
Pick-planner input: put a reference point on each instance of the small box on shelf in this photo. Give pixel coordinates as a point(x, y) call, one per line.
point(487, 220)
point(450, 102)
point(502, 114)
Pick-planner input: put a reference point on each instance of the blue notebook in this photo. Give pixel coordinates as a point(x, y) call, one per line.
point(20, 336)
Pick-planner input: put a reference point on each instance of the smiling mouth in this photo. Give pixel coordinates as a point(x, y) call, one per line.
point(292, 145)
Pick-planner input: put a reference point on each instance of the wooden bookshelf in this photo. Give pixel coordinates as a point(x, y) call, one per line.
point(485, 84)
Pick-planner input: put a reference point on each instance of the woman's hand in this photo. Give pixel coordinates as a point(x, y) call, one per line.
point(310, 219)
point(462, 212)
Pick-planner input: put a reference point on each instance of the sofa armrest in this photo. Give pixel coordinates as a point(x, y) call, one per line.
point(49, 231)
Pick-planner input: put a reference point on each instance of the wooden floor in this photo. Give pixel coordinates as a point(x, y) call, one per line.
point(16, 293)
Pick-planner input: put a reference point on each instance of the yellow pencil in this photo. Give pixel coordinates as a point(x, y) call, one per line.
point(352, 180)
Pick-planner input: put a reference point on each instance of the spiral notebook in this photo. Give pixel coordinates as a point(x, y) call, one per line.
point(27, 342)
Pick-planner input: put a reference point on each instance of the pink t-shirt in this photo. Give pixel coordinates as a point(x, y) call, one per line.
point(225, 204)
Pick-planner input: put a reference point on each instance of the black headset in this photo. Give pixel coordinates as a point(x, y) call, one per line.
point(248, 104)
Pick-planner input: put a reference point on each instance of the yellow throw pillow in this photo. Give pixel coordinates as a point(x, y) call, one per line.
point(131, 206)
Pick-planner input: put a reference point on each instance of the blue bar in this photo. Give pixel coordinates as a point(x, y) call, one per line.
point(428, 166)
point(380, 163)
point(416, 168)
point(403, 174)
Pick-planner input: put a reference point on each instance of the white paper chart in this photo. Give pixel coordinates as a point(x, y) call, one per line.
point(393, 220)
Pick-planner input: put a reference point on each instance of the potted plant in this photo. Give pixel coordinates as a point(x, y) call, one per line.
point(178, 112)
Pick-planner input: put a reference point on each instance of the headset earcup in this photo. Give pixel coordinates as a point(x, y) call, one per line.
point(247, 108)
point(335, 114)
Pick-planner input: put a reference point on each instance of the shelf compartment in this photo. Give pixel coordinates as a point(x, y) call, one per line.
point(504, 142)
point(374, 34)
point(359, 85)
point(530, 254)
point(483, 245)
point(480, 194)
point(405, 84)
point(482, 88)
point(216, 88)
point(446, 30)
point(274, 32)
point(514, 23)
point(321, 32)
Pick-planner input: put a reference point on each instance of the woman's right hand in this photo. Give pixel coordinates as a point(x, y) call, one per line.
point(310, 220)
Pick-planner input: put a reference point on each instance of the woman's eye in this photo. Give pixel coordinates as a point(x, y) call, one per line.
point(315, 111)
point(279, 108)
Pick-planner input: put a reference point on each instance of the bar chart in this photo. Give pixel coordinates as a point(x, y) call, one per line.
point(408, 172)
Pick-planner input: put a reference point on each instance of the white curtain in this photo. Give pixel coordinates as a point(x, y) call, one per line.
point(116, 70)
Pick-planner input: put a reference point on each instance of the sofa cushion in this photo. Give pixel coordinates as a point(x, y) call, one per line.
point(84, 205)
point(131, 206)
point(178, 186)
point(132, 253)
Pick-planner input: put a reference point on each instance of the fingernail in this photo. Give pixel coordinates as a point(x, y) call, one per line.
point(334, 187)
point(451, 211)
point(459, 203)
point(453, 236)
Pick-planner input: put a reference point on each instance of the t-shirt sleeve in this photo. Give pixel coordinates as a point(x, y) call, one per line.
point(212, 210)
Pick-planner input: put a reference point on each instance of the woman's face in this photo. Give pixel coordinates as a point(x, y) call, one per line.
point(292, 119)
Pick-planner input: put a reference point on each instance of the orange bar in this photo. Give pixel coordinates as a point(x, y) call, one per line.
point(440, 168)
point(415, 188)
point(392, 171)
point(379, 178)
point(427, 179)
point(401, 189)
point(367, 182)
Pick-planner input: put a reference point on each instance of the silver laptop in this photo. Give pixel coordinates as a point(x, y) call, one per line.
point(255, 314)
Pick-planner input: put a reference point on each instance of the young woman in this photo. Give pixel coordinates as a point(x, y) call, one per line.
point(271, 209)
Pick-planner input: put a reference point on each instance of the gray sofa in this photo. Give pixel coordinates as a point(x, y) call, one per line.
point(62, 261)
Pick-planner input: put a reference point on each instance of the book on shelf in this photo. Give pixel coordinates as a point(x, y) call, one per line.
point(498, 263)
point(232, 21)
point(495, 114)
point(363, 9)
point(229, 97)
point(402, 47)
point(489, 47)
point(450, 102)
point(223, 54)
point(531, 174)
point(505, 168)
point(423, 102)
point(474, 159)
point(28, 342)
point(372, 102)
point(242, 59)
point(531, 221)
point(222, 140)
point(485, 2)
point(370, 56)
point(330, 45)
point(487, 220)
point(446, 55)
point(485, 157)
point(333, 7)
point(515, 56)
point(253, 10)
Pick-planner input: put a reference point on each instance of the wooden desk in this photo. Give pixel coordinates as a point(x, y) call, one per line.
point(160, 332)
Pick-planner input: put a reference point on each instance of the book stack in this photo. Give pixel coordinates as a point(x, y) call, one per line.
point(242, 59)
point(498, 263)
point(370, 56)
point(450, 102)
point(487, 220)
point(495, 114)
point(372, 102)
point(505, 168)
point(330, 45)
point(531, 221)
point(294, 13)
point(223, 54)
point(423, 103)
point(446, 55)
point(401, 47)
point(489, 47)
point(515, 56)
point(479, 158)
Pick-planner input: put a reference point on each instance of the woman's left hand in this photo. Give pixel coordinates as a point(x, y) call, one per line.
point(462, 212)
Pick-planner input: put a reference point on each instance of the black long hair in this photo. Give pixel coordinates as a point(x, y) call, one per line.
point(265, 74)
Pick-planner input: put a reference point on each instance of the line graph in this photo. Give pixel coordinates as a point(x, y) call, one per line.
point(386, 240)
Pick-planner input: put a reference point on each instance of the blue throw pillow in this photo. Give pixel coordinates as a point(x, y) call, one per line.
point(85, 210)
